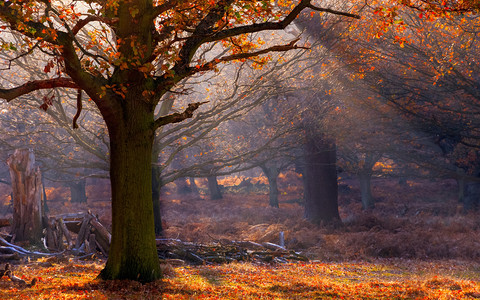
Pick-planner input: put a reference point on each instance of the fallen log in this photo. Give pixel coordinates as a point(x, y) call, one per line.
point(103, 237)
point(23, 252)
point(66, 232)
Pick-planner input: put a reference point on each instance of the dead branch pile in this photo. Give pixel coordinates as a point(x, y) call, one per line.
point(83, 235)
point(91, 235)
point(225, 251)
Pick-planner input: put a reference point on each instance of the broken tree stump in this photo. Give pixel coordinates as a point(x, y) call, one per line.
point(27, 196)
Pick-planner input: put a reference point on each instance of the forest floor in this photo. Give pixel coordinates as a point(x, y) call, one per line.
point(416, 244)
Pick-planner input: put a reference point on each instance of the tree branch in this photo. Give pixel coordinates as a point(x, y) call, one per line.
point(178, 117)
point(278, 48)
point(332, 11)
point(79, 109)
point(252, 28)
point(10, 94)
point(164, 7)
point(83, 22)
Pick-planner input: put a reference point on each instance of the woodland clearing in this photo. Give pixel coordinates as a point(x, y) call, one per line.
point(416, 244)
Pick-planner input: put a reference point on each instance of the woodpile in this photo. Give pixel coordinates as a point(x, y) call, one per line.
point(225, 251)
point(91, 235)
point(82, 235)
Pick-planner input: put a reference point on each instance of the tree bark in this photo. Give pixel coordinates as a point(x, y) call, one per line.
point(320, 180)
point(156, 186)
point(27, 196)
point(272, 175)
point(214, 188)
point(133, 252)
point(77, 191)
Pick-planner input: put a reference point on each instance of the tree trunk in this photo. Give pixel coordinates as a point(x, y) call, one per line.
point(214, 188)
point(320, 182)
point(45, 208)
point(272, 175)
point(366, 190)
point(27, 196)
point(77, 191)
point(183, 188)
point(133, 252)
point(193, 186)
point(156, 186)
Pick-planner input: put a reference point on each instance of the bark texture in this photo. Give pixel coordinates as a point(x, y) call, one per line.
point(133, 253)
point(156, 186)
point(27, 196)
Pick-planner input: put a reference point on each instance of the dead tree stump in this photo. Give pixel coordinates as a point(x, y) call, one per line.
point(27, 196)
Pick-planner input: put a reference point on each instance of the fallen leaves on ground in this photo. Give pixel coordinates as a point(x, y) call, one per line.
point(379, 279)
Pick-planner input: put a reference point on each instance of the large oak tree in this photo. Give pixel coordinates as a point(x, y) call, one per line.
point(125, 55)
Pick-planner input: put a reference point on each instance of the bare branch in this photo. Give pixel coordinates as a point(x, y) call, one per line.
point(178, 117)
point(10, 94)
point(79, 109)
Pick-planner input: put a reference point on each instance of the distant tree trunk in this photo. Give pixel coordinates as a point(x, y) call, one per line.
point(183, 187)
point(272, 174)
point(214, 188)
point(77, 191)
point(320, 180)
point(27, 196)
point(156, 186)
point(193, 186)
point(365, 179)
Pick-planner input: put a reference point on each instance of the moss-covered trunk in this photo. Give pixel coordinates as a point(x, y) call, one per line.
point(133, 253)
point(157, 205)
